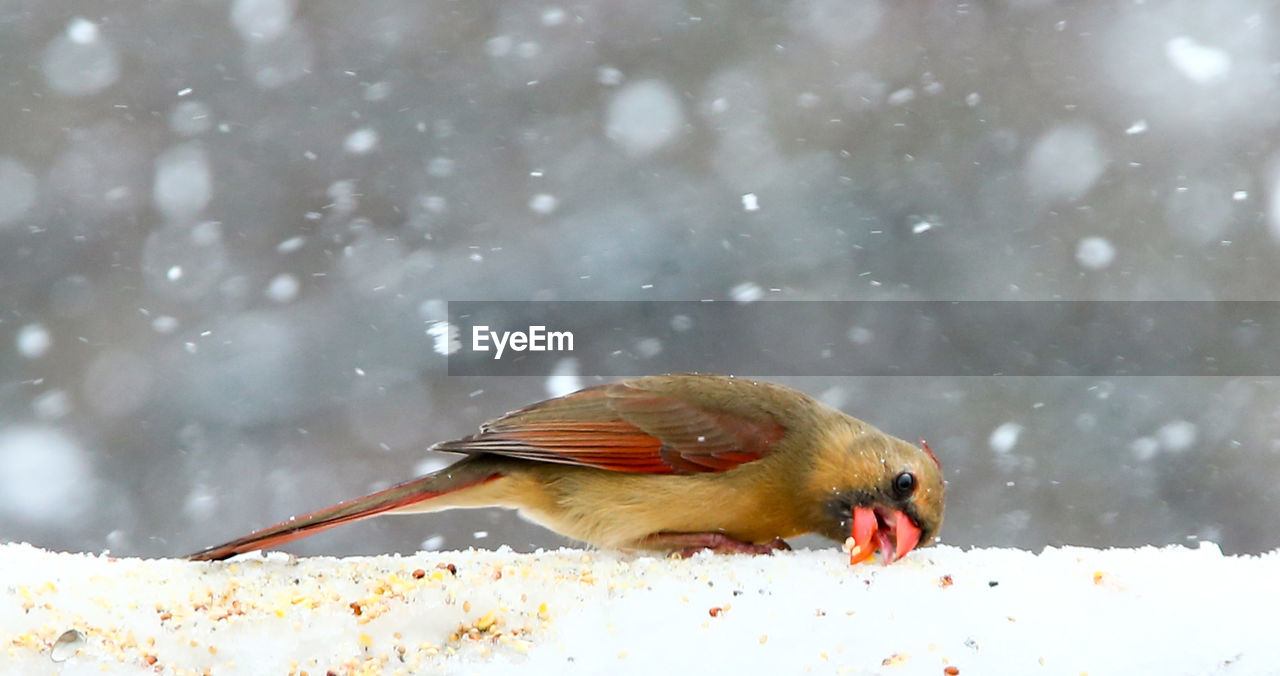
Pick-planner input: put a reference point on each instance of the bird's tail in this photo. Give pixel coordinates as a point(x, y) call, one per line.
point(460, 475)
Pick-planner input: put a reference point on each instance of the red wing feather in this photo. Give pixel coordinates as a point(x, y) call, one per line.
point(630, 426)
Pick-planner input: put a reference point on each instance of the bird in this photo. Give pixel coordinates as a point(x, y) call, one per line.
point(678, 464)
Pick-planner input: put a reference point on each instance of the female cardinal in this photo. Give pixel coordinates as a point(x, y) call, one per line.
point(674, 463)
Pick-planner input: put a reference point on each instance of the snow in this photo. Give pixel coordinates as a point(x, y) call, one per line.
point(441, 167)
point(52, 405)
point(176, 263)
point(1065, 163)
point(282, 288)
point(279, 62)
point(164, 324)
point(840, 25)
point(1160, 61)
point(18, 190)
point(553, 16)
point(261, 20)
point(1145, 448)
point(609, 76)
point(1201, 64)
point(746, 292)
point(291, 245)
point(1177, 436)
point(543, 204)
point(564, 378)
point(1095, 253)
point(528, 50)
point(1138, 127)
point(33, 341)
point(45, 476)
point(1005, 437)
point(183, 183)
point(1063, 610)
point(498, 46)
point(361, 141)
point(432, 463)
point(902, 96)
point(444, 337)
point(378, 91)
point(643, 117)
point(80, 62)
point(433, 543)
point(649, 347)
point(859, 335)
point(82, 31)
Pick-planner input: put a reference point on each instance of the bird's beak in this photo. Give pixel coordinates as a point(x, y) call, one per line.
point(890, 531)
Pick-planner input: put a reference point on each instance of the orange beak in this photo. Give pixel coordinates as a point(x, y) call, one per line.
point(888, 530)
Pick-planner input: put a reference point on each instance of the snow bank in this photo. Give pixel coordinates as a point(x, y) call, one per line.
point(982, 611)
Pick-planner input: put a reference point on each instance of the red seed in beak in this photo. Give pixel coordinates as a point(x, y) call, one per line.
point(890, 531)
point(865, 525)
point(906, 535)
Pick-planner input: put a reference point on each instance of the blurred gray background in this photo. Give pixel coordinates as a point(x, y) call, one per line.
point(227, 228)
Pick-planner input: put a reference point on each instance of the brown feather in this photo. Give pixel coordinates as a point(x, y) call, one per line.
point(629, 426)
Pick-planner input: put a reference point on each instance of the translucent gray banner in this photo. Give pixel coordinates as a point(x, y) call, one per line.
point(864, 338)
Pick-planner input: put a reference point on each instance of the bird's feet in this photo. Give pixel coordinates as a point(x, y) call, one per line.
point(684, 545)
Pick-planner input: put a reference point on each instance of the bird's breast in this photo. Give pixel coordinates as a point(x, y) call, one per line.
point(618, 509)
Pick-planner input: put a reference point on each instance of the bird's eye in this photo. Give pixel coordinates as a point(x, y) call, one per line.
point(904, 484)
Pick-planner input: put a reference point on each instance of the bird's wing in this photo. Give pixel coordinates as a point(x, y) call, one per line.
point(656, 425)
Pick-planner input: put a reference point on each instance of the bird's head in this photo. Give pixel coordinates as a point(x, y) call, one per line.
point(877, 492)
